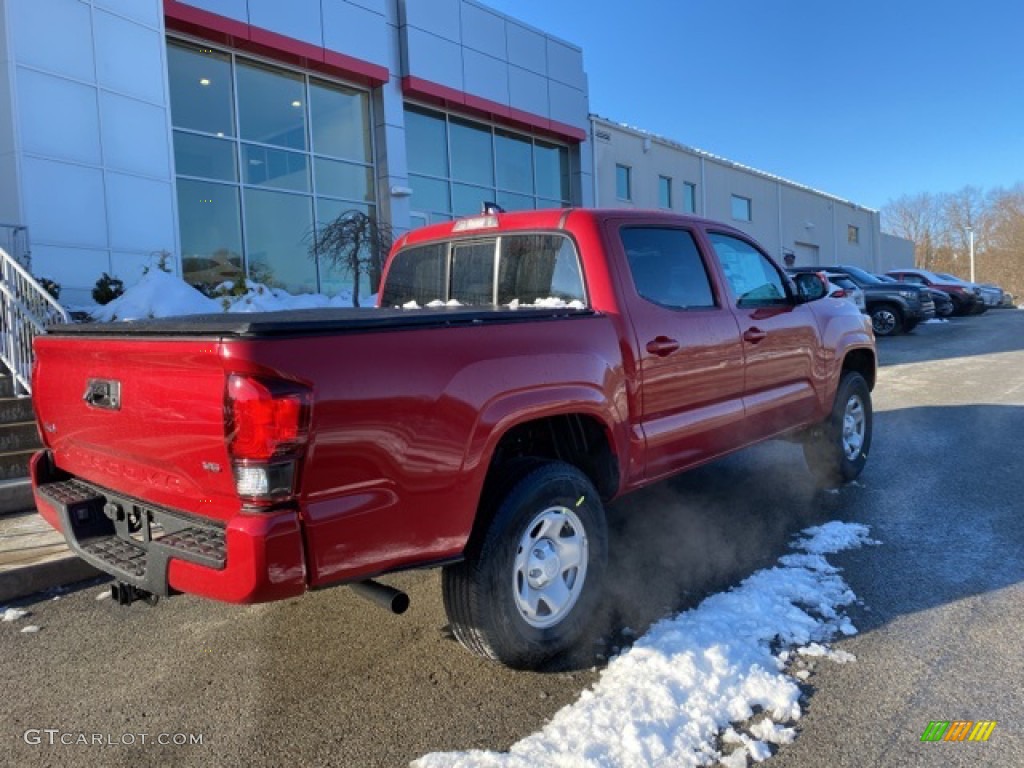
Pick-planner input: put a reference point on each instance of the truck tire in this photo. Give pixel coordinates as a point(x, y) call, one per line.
point(886, 319)
point(837, 451)
point(528, 587)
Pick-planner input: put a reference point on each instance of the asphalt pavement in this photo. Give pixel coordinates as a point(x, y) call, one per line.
point(328, 679)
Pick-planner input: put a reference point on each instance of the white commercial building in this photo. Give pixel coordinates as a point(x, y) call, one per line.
point(222, 131)
point(634, 168)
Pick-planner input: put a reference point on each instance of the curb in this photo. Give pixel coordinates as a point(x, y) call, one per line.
point(34, 557)
point(28, 580)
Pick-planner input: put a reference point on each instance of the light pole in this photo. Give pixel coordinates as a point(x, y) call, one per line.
point(970, 238)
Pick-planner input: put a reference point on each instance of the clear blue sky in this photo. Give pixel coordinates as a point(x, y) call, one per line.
point(867, 100)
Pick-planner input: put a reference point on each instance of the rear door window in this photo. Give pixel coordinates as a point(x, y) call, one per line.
point(667, 267)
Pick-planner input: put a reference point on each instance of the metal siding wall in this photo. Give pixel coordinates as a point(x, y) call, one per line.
point(896, 252)
point(93, 142)
point(232, 9)
point(799, 207)
point(298, 19)
point(358, 31)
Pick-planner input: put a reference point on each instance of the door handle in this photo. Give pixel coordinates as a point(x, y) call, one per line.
point(662, 346)
point(754, 335)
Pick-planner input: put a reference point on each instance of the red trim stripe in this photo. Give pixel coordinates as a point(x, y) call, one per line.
point(443, 96)
point(190, 20)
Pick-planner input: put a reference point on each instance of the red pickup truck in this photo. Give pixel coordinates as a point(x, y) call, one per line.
point(522, 370)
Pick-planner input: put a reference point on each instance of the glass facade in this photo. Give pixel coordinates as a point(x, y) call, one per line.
point(263, 154)
point(455, 165)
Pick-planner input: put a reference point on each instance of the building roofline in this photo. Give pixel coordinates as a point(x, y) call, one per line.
point(640, 132)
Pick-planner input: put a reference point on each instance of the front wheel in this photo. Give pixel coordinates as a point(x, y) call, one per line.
point(526, 590)
point(838, 450)
point(886, 320)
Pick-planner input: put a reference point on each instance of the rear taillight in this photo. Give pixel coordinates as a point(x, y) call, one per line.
point(267, 427)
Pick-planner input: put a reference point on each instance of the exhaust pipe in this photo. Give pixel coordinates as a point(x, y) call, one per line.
point(389, 598)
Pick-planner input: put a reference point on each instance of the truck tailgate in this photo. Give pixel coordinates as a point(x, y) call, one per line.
point(143, 416)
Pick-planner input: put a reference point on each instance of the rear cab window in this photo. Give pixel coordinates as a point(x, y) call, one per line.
point(510, 270)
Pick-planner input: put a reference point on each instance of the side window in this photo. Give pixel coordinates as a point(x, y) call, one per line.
point(753, 278)
point(915, 279)
point(667, 268)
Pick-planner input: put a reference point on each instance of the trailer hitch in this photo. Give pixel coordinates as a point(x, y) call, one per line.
point(126, 594)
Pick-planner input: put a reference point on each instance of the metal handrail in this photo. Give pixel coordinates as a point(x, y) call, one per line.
point(26, 309)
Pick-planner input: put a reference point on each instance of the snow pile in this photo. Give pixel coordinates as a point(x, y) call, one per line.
point(159, 294)
point(682, 689)
point(13, 614)
point(548, 303)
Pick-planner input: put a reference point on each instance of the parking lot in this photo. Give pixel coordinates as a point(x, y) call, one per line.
point(328, 679)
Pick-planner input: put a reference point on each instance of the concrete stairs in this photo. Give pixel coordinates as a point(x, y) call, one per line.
point(19, 439)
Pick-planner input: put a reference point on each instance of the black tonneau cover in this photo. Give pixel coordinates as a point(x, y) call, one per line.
point(300, 322)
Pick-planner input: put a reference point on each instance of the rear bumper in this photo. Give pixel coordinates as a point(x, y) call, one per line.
point(251, 559)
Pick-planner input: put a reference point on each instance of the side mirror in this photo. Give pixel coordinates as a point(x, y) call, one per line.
point(810, 286)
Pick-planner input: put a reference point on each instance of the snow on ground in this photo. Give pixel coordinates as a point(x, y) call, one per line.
point(679, 695)
point(13, 614)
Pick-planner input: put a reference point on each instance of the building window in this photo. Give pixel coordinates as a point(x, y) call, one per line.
point(262, 155)
point(664, 192)
point(455, 165)
point(741, 208)
point(853, 234)
point(623, 182)
point(689, 197)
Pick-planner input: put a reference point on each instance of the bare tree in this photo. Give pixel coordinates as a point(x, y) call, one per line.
point(938, 226)
point(963, 212)
point(917, 218)
point(354, 243)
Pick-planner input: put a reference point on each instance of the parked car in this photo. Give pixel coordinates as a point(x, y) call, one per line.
point(839, 286)
point(943, 303)
point(967, 298)
point(853, 291)
point(988, 297)
point(893, 307)
point(574, 356)
point(993, 294)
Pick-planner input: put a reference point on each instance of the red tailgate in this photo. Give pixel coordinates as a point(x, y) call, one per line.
point(145, 417)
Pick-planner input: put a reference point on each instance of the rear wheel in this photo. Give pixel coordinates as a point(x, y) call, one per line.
point(527, 589)
point(838, 450)
point(886, 319)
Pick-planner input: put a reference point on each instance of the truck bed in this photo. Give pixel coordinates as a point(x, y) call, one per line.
point(303, 322)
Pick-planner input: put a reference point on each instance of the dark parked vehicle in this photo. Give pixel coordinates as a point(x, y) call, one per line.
point(894, 307)
point(967, 298)
point(943, 303)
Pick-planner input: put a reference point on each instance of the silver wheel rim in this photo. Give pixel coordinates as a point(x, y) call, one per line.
point(550, 567)
point(884, 321)
point(854, 426)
